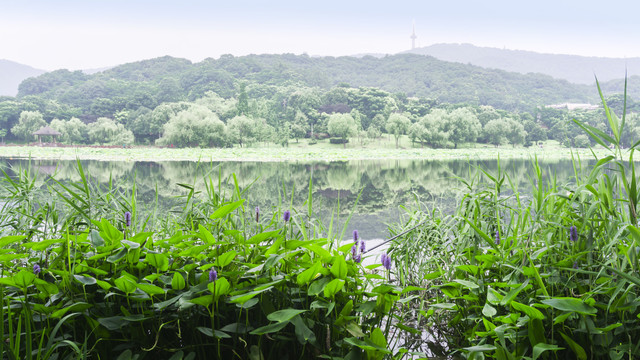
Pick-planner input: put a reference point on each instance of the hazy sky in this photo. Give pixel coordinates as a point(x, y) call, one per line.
point(81, 34)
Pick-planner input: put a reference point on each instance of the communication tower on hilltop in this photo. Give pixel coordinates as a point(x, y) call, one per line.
point(413, 37)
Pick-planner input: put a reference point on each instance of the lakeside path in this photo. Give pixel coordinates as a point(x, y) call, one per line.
point(290, 154)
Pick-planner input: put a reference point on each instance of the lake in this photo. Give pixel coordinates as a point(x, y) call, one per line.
point(387, 188)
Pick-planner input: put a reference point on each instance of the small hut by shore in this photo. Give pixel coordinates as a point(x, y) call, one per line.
point(46, 131)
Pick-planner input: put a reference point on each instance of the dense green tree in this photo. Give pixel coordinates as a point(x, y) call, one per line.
point(398, 125)
point(417, 132)
point(108, 132)
point(242, 105)
point(515, 133)
point(9, 113)
point(535, 132)
point(342, 126)
point(434, 125)
point(196, 126)
point(494, 131)
point(582, 141)
point(462, 126)
point(29, 122)
point(240, 130)
point(73, 131)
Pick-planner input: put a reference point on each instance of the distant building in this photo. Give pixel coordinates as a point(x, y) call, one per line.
point(413, 37)
point(573, 106)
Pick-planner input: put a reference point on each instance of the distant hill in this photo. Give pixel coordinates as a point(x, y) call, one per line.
point(166, 79)
point(573, 68)
point(12, 74)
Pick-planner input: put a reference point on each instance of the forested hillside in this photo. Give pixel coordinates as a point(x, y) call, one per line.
point(151, 82)
point(262, 99)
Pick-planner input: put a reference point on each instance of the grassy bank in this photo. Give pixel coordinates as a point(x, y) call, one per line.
point(295, 152)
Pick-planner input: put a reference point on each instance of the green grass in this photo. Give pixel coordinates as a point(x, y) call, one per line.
point(322, 151)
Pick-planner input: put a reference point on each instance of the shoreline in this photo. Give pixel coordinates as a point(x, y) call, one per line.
point(294, 154)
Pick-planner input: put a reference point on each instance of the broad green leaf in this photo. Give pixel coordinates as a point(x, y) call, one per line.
point(570, 304)
point(306, 276)
point(471, 269)
point(258, 238)
point(85, 280)
point(225, 259)
point(354, 329)
point(318, 286)
point(284, 315)
point(77, 307)
point(132, 245)
point(575, 347)
point(339, 268)
point(9, 257)
point(271, 328)
point(118, 256)
point(494, 297)
point(204, 300)
point(177, 282)
point(303, 333)
point(378, 339)
point(333, 288)
point(159, 261)
point(480, 348)
point(488, 310)
point(468, 284)
point(110, 233)
point(219, 288)
point(540, 348)
point(226, 209)
point(532, 312)
point(46, 287)
point(6, 240)
point(113, 323)
point(125, 284)
point(151, 289)
point(318, 250)
point(205, 235)
point(42, 244)
point(24, 278)
point(236, 328)
point(194, 250)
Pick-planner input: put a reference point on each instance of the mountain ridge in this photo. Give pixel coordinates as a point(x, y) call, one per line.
point(12, 74)
point(576, 69)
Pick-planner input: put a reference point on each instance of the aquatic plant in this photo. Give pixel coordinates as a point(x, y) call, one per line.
point(530, 290)
point(199, 283)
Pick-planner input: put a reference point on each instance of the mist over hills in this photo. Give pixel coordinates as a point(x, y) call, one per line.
point(168, 79)
point(573, 68)
point(12, 74)
point(458, 80)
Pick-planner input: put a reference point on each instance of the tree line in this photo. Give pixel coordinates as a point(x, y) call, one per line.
point(262, 114)
point(280, 98)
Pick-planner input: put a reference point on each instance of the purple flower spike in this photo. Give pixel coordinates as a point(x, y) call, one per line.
point(127, 218)
point(355, 235)
point(362, 246)
point(573, 234)
point(213, 275)
point(36, 269)
point(575, 265)
point(386, 261)
point(286, 216)
point(497, 237)
point(257, 214)
point(354, 250)
point(357, 258)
